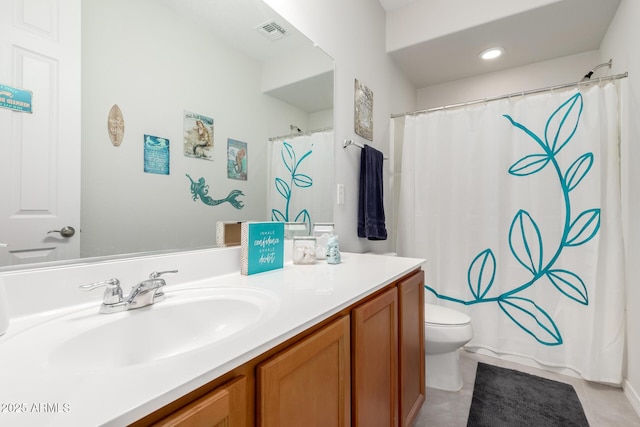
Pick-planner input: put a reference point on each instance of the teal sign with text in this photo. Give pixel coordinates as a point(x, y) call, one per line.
point(15, 99)
point(262, 247)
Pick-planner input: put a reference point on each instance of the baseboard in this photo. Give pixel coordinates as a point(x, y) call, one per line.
point(632, 395)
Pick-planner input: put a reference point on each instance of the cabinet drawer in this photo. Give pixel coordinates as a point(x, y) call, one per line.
point(222, 407)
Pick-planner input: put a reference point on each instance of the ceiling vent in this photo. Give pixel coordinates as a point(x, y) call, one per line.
point(272, 30)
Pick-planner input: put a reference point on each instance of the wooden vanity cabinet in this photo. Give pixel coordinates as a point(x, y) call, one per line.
point(308, 384)
point(363, 366)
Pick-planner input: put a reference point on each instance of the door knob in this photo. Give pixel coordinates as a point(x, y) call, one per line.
point(64, 231)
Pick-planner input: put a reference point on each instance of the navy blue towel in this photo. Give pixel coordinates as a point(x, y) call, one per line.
point(370, 200)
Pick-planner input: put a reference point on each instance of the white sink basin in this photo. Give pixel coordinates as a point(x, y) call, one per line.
point(185, 321)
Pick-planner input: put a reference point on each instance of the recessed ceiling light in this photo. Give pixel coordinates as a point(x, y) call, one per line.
point(491, 53)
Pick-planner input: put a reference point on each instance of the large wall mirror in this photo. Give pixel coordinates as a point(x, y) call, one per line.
point(237, 67)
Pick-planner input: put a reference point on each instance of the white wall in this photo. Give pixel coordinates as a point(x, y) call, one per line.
point(154, 69)
point(353, 33)
point(621, 44)
point(293, 66)
point(514, 80)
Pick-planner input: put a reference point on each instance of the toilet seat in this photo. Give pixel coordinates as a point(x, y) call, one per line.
point(442, 316)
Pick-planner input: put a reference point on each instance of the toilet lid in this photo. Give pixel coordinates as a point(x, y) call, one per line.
point(438, 315)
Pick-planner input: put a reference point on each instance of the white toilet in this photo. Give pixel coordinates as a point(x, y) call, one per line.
point(445, 331)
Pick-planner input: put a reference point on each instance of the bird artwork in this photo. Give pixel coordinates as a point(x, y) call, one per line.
point(200, 190)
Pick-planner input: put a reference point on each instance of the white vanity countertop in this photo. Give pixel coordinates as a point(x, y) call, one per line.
point(33, 393)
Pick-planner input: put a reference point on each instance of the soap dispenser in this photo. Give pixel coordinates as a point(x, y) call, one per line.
point(4, 310)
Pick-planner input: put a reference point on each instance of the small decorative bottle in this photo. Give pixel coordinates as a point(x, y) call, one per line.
point(333, 250)
point(321, 231)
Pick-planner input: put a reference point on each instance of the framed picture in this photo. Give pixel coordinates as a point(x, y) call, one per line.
point(156, 155)
point(198, 136)
point(237, 159)
point(363, 111)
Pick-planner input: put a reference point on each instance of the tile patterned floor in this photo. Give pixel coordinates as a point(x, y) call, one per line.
point(604, 406)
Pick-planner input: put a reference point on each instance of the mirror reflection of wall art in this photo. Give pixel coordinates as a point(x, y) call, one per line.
point(198, 136)
point(200, 190)
point(115, 125)
point(237, 159)
point(156, 155)
point(363, 111)
point(286, 186)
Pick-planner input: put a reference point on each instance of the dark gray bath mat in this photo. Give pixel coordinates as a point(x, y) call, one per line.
point(504, 397)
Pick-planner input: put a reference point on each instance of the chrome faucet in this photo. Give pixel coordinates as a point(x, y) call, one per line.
point(145, 293)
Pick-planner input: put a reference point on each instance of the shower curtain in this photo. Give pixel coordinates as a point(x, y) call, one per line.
point(300, 178)
point(515, 205)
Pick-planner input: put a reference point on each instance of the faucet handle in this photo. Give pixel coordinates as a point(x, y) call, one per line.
point(113, 293)
point(160, 293)
point(157, 274)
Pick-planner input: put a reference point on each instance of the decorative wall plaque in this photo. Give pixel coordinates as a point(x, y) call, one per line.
point(156, 155)
point(115, 125)
point(237, 159)
point(200, 190)
point(198, 136)
point(363, 111)
point(16, 99)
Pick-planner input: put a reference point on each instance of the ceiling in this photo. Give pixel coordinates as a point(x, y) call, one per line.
point(552, 30)
point(548, 30)
point(238, 22)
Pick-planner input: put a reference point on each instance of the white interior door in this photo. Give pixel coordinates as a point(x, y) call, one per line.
point(40, 152)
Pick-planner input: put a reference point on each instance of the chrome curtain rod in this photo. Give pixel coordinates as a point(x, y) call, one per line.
point(512, 95)
point(309, 132)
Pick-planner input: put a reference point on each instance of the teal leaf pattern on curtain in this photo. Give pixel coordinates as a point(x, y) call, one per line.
point(529, 165)
point(570, 284)
point(526, 241)
point(532, 319)
point(563, 123)
point(290, 160)
point(482, 273)
point(584, 228)
point(578, 170)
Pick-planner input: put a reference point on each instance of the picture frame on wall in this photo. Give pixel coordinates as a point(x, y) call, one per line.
point(198, 136)
point(237, 159)
point(156, 155)
point(363, 111)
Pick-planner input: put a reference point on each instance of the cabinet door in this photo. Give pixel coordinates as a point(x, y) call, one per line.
point(375, 366)
point(411, 329)
point(308, 384)
point(222, 407)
